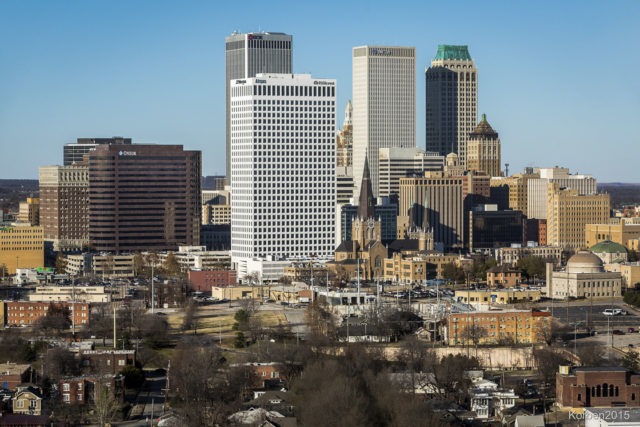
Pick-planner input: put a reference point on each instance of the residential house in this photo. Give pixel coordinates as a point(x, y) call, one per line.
point(27, 400)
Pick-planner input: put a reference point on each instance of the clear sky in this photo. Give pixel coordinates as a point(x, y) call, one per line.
point(559, 80)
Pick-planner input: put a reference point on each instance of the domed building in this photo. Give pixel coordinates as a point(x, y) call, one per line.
point(610, 252)
point(583, 277)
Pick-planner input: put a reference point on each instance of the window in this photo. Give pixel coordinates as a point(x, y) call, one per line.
point(66, 397)
point(65, 387)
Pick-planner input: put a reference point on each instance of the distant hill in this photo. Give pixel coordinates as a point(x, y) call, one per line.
point(621, 193)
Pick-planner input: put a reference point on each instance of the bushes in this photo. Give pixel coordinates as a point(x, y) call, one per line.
point(632, 298)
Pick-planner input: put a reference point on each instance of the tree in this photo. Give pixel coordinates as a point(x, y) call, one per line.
point(60, 362)
point(133, 377)
point(449, 379)
point(532, 266)
point(474, 333)
point(57, 319)
point(630, 361)
point(60, 264)
point(592, 354)
point(452, 272)
point(104, 403)
point(171, 266)
point(547, 362)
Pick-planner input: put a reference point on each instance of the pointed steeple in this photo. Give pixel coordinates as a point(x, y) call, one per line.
point(366, 202)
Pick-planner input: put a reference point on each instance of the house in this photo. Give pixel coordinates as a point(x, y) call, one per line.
point(13, 374)
point(487, 400)
point(503, 275)
point(27, 400)
point(275, 400)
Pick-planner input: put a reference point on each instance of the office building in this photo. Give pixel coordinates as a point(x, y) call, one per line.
point(88, 294)
point(537, 188)
point(29, 312)
point(384, 105)
point(491, 228)
point(568, 213)
point(434, 202)
point(483, 149)
point(619, 230)
point(250, 54)
point(29, 211)
point(216, 237)
point(399, 162)
point(283, 173)
point(451, 101)
point(21, 246)
point(74, 153)
point(144, 198)
point(64, 206)
point(512, 255)
point(512, 190)
point(344, 185)
point(216, 208)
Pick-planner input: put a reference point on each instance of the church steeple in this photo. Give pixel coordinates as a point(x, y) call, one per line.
point(366, 201)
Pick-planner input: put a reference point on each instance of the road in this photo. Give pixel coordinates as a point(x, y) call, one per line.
point(150, 402)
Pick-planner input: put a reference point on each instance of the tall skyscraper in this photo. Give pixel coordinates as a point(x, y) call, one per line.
point(384, 105)
point(283, 190)
point(451, 101)
point(144, 197)
point(250, 54)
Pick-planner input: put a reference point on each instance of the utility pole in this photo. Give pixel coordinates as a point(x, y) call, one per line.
point(114, 327)
point(152, 289)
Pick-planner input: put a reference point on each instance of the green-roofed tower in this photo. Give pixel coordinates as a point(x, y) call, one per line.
point(451, 101)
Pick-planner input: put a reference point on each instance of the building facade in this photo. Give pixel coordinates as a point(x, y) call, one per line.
point(491, 228)
point(283, 193)
point(435, 201)
point(64, 206)
point(583, 387)
point(484, 149)
point(583, 277)
point(74, 153)
point(29, 212)
point(250, 54)
point(513, 254)
point(21, 246)
point(344, 139)
point(568, 213)
point(396, 163)
point(619, 230)
point(28, 312)
point(144, 198)
point(204, 280)
point(451, 101)
point(384, 105)
point(498, 327)
point(538, 188)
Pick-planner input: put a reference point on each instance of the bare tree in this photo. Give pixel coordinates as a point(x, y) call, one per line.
point(104, 403)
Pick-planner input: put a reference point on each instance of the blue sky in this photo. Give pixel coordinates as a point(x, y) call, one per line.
point(558, 80)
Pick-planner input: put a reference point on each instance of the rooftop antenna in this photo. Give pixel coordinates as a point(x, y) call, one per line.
point(506, 169)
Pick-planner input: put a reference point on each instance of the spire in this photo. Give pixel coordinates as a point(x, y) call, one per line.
point(365, 204)
point(348, 114)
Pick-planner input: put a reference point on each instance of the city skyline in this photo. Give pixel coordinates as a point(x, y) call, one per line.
point(155, 72)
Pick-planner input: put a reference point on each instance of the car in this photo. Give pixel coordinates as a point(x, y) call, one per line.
point(617, 332)
point(612, 312)
point(631, 330)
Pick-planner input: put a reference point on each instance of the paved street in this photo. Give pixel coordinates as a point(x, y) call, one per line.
point(150, 402)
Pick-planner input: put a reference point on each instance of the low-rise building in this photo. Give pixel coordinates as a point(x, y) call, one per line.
point(81, 390)
point(497, 296)
point(100, 265)
point(629, 271)
point(21, 246)
point(583, 277)
point(106, 361)
point(88, 294)
point(503, 275)
point(513, 254)
point(618, 230)
point(13, 374)
point(204, 280)
point(416, 268)
point(494, 327)
point(29, 312)
point(583, 387)
point(27, 400)
point(198, 258)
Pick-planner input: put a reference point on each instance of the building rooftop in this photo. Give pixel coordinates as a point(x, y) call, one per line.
point(451, 52)
point(13, 368)
point(609, 247)
point(484, 129)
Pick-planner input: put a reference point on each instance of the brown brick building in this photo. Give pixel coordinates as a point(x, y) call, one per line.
point(106, 361)
point(64, 197)
point(204, 280)
point(13, 374)
point(597, 386)
point(144, 197)
point(28, 312)
point(81, 390)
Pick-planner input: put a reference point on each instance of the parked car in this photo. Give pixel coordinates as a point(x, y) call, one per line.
point(617, 332)
point(631, 330)
point(612, 312)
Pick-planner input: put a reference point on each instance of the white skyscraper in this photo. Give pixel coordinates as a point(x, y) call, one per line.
point(384, 105)
point(283, 190)
point(253, 53)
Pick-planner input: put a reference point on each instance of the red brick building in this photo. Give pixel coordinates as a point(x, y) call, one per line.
point(204, 280)
point(28, 312)
point(81, 390)
point(597, 386)
point(106, 361)
point(13, 374)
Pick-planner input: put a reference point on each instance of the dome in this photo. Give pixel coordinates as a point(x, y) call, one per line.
point(608, 247)
point(484, 129)
point(584, 262)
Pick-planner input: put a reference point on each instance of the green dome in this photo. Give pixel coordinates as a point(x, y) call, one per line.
point(608, 247)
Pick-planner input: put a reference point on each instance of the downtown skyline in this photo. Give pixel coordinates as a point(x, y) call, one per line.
point(553, 79)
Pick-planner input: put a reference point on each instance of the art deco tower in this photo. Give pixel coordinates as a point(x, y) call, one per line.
point(451, 101)
point(250, 54)
point(483, 149)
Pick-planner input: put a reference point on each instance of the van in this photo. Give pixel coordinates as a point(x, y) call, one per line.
point(612, 312)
